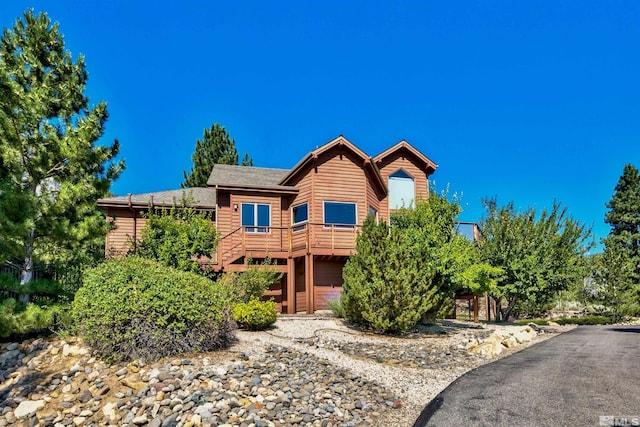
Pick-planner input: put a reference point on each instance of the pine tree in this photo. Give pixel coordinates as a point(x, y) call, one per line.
point(215, 147)
point(623, 241)
point(411, 269)
point(53, 172)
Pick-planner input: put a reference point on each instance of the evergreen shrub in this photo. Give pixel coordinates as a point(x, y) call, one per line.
point(255, 315)
point(135, 308)
point(383, 288)
point(16, 319)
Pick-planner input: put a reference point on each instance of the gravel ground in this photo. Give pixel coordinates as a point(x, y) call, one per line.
point(304, 371)
point(414, 368)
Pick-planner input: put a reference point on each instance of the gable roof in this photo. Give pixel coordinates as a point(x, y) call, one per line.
point(205, 198)
point(404, 145)
point(340, 141)
point(248, 177)
point(271, 180)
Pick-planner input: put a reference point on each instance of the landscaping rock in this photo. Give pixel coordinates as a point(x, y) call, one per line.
point(28, 408)
point(320, 378)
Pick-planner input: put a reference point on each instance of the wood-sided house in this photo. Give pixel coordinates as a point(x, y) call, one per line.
point(306, 219)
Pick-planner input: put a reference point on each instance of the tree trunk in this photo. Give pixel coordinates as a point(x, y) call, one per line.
point(507, 311)
point(497, 309)
point(26, 274)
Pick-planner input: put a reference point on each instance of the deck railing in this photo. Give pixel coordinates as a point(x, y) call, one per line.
point(285, 240)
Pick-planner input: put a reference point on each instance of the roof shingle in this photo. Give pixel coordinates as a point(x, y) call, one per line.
point(247, 177)
point(204, 198)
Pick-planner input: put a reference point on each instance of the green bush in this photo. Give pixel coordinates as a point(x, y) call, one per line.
point(255, 315)
point(540, 322)
point(585, 320)
point(336, 307)
point(179, 237)
point(253, 283)
point(132, 308)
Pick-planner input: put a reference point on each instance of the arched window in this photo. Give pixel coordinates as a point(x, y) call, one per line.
point(402, 190)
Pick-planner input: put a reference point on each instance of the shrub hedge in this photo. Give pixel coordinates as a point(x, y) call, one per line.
point(585, 320)
point(135, 308)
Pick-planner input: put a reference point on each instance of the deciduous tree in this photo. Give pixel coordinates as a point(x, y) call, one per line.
point(215, 147)
point(540, 254)
point(52, 169)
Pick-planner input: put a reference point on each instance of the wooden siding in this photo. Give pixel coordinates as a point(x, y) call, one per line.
point(327, 282)
point(403, 159)
point(374, 197)
point(224, 212)
point(305, 185)
point(277, 293)
point(339, 177)
point(119, 238)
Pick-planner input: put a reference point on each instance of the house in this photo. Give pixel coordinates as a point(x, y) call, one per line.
point(305, 219)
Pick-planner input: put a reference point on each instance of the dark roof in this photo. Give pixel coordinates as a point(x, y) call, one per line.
point(249, 177)
point(205, 198)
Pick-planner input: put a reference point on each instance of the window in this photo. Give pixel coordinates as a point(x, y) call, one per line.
point(402, 190)
point(373, 212)
point(256, 217)
point(340, 214)
point(467, 230)
point(299, 216)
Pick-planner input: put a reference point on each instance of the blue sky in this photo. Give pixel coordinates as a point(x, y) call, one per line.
point(527, 101)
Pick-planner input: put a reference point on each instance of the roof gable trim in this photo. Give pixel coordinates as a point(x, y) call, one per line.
point(430, 166)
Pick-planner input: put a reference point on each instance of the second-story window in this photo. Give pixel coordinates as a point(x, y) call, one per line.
point(340, 214)
point(256, 217)
point(299, 216)
point(402, 190)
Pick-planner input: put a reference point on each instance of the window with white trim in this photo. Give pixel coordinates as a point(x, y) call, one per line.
point(402, 190)
point(256, 217)
point(300, 216)
point(340, 214)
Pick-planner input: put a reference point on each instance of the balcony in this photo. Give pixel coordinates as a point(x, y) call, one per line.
point(286, 242)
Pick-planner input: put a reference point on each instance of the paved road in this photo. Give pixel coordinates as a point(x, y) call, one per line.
point(568, 380)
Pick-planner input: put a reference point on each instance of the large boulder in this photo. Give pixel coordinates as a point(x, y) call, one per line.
point(524, 334)
point(490, 347)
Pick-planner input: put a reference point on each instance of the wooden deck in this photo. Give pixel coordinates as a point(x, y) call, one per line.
point(235, 248)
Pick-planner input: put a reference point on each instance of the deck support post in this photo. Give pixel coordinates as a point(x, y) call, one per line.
point(309, 282)
point(291, 286)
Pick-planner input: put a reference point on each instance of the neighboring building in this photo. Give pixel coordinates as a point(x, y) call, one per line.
point(470, 230)
point(305, 219)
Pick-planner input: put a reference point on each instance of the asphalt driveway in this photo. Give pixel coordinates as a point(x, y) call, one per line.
point(573, 379)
